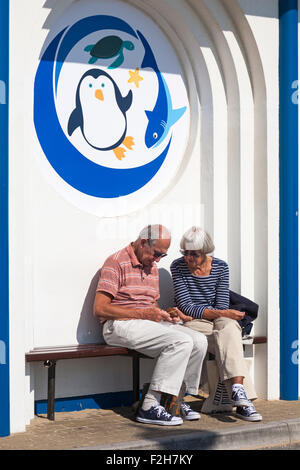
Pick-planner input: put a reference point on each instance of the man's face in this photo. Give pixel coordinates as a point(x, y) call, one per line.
point(148, 254)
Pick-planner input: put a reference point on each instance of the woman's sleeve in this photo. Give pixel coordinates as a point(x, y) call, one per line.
point(222, 290)
point(182, 296)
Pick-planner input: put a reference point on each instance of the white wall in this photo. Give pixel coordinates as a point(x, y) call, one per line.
point(227, 182)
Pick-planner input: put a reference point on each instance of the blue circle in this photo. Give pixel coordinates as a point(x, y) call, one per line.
point(73, 167)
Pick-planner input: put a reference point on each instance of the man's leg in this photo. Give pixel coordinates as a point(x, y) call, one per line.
point(194, 367)
point(205, 327)
point(172, 347)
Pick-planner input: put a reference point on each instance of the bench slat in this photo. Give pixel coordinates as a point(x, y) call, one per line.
point(259, 339)
point(75, 351)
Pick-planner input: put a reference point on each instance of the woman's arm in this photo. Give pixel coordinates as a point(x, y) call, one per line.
point(182, 296)
point(222, 300)
point(198, 311)
point(212, 314)
point(222, 290)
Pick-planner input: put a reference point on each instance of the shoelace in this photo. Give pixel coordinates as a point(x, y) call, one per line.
point(240, 392)
point(186, 407)
point(251, 408)
point(161, 412)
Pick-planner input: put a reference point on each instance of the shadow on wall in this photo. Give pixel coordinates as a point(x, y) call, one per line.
point(166, 289)
point(89, 329)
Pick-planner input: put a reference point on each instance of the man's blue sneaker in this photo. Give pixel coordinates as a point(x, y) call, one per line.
point(188, 413)
point(158, 415)
point(239, 397)
point(248, 413)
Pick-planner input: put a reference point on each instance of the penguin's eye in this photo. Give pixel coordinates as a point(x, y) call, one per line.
point(103, 85)
point(90, 85)
point(155, 135)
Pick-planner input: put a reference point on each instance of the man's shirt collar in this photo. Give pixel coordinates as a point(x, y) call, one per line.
point(134, 261)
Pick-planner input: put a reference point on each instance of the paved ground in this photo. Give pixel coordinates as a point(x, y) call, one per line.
point(292, 446)
point(117, 429)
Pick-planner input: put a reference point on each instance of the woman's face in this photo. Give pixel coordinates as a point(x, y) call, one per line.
point(193, 258)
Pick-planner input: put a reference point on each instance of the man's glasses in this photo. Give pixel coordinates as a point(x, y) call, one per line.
point(158, 254)
point(194, 254)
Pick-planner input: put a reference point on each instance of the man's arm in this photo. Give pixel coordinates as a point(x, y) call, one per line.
point(103, 308)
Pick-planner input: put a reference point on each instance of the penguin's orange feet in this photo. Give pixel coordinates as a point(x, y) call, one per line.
point(128, 142)
point(119, 152)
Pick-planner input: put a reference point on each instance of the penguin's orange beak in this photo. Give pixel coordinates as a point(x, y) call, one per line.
point(99, 95)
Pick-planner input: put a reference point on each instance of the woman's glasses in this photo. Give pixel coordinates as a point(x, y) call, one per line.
point(194, 254)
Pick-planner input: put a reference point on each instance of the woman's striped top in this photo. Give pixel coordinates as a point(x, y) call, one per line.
point(193, 294)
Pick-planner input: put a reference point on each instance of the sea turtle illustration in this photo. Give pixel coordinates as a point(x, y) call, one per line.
point(108, 47)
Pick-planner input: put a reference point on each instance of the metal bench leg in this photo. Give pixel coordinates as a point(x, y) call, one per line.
point(51, 388)
point(136, 377)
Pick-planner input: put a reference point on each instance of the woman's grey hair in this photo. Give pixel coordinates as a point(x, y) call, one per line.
point(152, 233)
point(197, 239)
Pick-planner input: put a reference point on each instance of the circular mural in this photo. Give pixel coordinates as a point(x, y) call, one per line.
point(110, 108)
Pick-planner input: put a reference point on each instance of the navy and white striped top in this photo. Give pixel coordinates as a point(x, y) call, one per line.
point(193, 294)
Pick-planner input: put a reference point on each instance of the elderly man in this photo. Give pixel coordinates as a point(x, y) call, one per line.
point(126, 302)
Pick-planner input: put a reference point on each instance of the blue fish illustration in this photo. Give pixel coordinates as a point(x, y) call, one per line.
point(163, 116)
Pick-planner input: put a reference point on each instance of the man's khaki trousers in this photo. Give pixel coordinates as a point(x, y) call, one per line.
point(179, 351)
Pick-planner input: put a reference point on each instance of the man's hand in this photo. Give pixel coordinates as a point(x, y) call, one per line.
point(103, 308)
point(174, 312)
point(157, 315)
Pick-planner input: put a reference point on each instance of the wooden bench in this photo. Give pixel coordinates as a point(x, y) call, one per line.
point(50, 355)
point(254, 340)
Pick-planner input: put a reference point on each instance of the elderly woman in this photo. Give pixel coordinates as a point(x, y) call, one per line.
point(201, 286)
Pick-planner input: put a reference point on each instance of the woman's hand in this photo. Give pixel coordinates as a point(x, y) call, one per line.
point(234, 314)
point(175, 313)
point(212, 314)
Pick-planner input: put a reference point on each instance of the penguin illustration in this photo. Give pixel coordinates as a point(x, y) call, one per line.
point(100, 113)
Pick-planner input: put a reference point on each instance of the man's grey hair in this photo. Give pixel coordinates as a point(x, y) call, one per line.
point(197, 239)
point(152, 233)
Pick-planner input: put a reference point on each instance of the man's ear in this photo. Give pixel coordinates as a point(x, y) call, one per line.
point(143, 242)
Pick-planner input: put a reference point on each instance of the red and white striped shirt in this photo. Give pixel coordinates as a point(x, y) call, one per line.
point(124, 278)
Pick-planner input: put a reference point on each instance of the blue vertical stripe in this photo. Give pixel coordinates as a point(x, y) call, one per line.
point(288, 170)
point(4, 305)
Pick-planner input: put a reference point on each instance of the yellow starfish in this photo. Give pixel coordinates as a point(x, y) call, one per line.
point(135, 77)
